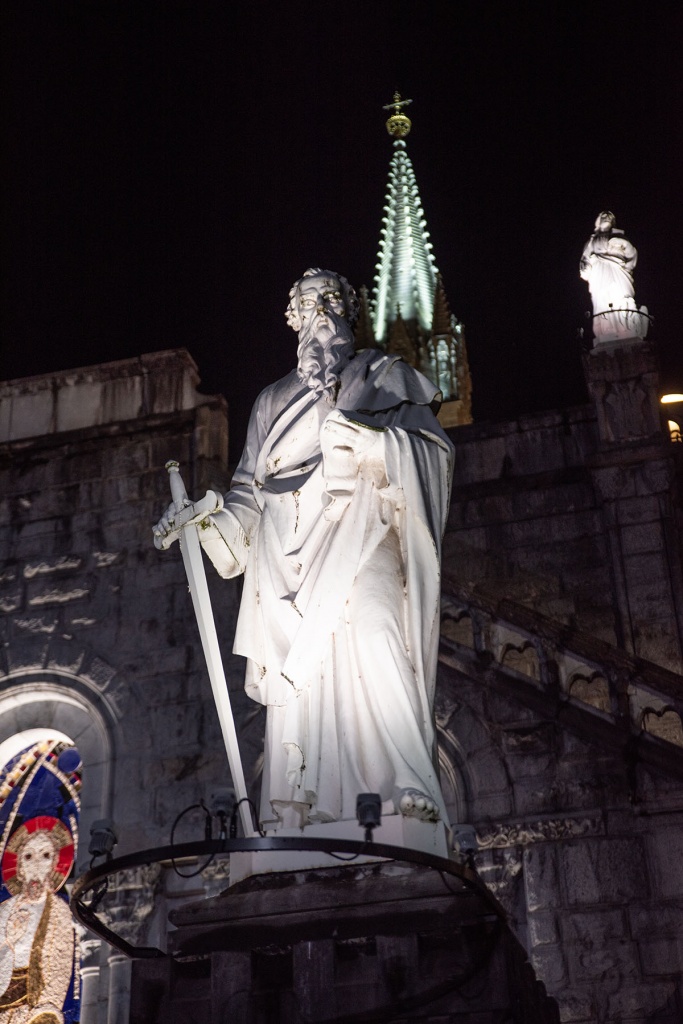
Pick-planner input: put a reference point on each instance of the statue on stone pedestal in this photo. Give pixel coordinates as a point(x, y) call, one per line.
point(335, 517)
point(607, 265)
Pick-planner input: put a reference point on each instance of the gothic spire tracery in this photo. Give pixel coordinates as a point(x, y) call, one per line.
point(406, 270)
point(425, 332)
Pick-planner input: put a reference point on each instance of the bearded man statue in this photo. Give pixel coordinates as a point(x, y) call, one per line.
point(335, 516)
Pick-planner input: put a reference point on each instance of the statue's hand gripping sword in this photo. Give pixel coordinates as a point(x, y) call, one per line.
point(185, 527)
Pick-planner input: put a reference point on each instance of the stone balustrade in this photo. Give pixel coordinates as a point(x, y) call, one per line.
point(638, 697)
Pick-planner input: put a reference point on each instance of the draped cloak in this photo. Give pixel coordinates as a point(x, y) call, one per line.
point(607, 264)
point(339, 615)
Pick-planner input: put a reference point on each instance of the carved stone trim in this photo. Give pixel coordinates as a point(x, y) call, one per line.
point(525, 833)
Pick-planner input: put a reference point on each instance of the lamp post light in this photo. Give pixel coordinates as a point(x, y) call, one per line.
point(674, 403)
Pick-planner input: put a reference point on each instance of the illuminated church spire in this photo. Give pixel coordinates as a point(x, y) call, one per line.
point(409, 310)
point(406, 271)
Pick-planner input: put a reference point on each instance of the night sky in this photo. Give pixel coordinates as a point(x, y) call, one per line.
point(175, 166)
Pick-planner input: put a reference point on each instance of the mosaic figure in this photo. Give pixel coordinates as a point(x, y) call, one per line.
point(36, 929)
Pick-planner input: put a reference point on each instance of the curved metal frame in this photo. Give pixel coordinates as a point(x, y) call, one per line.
point(83, 885)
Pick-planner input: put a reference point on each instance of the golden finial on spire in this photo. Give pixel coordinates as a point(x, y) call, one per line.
point(398, 124)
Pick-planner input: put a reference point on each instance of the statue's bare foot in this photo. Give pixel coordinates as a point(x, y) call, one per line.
point(412, 803)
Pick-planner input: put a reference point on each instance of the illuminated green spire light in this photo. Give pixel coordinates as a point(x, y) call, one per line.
point(406, 271)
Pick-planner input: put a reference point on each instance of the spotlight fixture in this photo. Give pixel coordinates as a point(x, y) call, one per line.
point(103, 838)
point(369, 811)
point(465, 843)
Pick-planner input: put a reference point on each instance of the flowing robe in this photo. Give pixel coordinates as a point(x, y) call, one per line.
point(607, 263)
point(339, 613)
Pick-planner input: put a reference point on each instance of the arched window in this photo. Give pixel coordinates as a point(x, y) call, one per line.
point(64, 711)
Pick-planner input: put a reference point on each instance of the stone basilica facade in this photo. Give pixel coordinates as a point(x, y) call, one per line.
point(559, 694)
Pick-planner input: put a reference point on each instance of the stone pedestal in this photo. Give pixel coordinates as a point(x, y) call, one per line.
point(355, 942)
point(634, 474)
point(395, 830)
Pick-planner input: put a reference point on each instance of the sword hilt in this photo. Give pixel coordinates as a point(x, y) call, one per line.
point(184, 510)
point(178, 492)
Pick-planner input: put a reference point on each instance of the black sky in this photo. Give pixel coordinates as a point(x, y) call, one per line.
point(174, 166)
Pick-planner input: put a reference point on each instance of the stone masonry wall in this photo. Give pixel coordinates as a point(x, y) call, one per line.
point(98, 634)
point(591, 539)
point(524, 516)
point(580, 841)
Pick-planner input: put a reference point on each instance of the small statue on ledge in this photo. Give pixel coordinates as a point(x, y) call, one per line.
point(607, 265)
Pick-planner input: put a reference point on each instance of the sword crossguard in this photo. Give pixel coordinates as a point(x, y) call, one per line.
point(184, 511)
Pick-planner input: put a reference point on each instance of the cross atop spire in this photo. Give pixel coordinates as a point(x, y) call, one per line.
point(399, 124)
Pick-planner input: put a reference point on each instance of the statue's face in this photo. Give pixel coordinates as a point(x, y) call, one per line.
point(318, 296)
point(36, 863)
point(605, 222)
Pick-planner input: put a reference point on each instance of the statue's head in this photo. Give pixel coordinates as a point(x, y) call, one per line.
point(604, 222)
point(319, 289)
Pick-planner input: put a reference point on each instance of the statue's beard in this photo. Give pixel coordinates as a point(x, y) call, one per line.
point(322, 361)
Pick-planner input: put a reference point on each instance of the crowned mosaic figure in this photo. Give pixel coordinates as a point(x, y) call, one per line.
point(335, 516)
point(36, 929)
point(607, 264)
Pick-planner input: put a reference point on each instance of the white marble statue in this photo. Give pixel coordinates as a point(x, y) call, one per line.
point(335, 517)
point(607, 265)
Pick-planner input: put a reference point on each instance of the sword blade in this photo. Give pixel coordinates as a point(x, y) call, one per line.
point(199, 590)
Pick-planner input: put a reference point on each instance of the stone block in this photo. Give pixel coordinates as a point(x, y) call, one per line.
point(615, 482)
point(30, 415)
point(664, 920)
point(36, 624)
point(661, 956)
point(549, 964)
point(616, 960)
point(99, 673)
point(65, 656)
point(651, 611)
point(641, 538)
point(51, 590)
point(11, 598)
point(82, 462)
point(481, 460)
point(603, 870)
point(487, 771)
point(128, 459)
point(27, 653)
point(648, 568)
point(532, 769)
point(50, 566)
point(527, 740)
point(593, 929)
point(653, 477)
point(121, 490)
point(665, 850)
point(641, 1002)
point(576, 1006)
point(177, 725)
point(541, 882)
point(543, 929)
point(637, 510)
point(162, 449)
